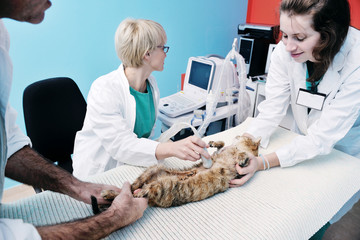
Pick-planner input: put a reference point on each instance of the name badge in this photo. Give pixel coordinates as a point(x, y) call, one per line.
point(311, 100)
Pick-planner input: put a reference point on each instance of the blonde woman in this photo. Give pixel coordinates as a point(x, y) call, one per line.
point(123, 105)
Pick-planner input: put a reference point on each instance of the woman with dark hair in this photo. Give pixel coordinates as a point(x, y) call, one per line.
point(315, 70)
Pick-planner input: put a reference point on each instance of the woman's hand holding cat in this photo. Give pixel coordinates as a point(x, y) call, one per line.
point(189, 148)
point(256, 164)
point(247, 172)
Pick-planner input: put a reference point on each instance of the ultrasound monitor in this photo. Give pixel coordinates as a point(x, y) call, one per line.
point(197, 84)
point(200, 74)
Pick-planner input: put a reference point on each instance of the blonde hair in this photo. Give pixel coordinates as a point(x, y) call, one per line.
point(135, 37)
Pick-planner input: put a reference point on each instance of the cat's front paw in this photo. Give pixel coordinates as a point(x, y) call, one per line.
point(217, 144)
point(244, 161)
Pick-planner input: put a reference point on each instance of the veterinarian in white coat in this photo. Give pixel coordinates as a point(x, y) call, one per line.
point(336, 125)
point(315, 34)
point(123, 105)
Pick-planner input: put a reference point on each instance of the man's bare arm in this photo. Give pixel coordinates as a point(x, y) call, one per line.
point(29, 167)
point(124, 210)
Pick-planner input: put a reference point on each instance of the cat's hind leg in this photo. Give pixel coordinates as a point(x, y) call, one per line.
point(159, 193)
point(149, 175)
point(109, 194)
point(183, 174)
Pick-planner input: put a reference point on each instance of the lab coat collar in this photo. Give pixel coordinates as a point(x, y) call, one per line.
point(332, 75)
point(299, 112)
point(123, 77)
point(125, 85)
point(331, 79)
point(123, 81)
point(329, 85)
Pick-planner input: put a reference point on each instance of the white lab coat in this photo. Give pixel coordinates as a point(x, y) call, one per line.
point(107, 139)
point(337, 125)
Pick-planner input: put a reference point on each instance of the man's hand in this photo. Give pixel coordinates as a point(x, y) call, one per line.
point(87, 189)
point(129, 208)
point(124, 210)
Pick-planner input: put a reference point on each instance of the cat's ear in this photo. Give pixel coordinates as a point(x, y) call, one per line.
point(257, 141)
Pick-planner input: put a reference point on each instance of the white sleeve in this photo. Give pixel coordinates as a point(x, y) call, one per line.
point(277, 92)
point(16, 229)
point(15, 138)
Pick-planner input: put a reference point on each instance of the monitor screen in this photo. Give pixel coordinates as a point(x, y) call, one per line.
point(200, 74)
point(246, 46)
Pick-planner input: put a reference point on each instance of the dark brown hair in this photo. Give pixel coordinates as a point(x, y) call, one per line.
point(331, 18)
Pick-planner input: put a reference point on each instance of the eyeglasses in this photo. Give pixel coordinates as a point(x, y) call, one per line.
point(165, 48)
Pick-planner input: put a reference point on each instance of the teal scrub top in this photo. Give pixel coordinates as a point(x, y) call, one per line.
point(145, 112)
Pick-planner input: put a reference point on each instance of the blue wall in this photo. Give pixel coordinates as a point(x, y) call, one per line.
point(76, 40)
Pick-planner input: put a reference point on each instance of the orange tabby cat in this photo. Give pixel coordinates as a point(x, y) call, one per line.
point(166, 187)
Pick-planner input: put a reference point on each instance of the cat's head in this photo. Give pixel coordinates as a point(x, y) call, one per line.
point(248, 144)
